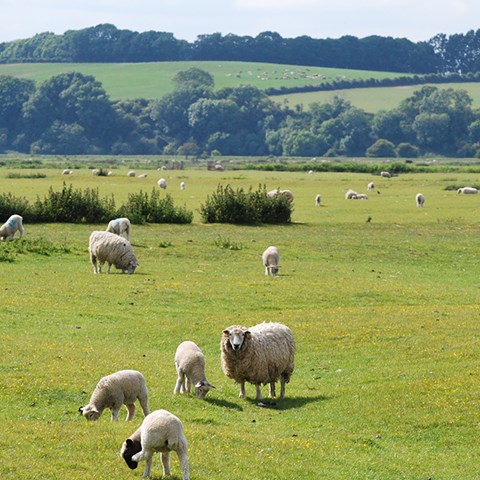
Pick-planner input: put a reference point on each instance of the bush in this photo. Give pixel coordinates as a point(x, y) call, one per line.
point(245, 208)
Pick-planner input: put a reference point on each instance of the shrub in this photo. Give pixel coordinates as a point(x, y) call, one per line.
point(245, 208)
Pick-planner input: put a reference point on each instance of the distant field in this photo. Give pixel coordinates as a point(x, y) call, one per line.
point(154, 80)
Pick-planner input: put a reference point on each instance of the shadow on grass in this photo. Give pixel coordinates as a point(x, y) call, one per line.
point(223, 403)
point(288, 403)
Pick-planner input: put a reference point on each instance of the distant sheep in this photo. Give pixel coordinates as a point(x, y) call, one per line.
point(259, 355)
point(131, 173)
point(219, 167)
point(110, 248)
point(371, 186)
point(182, 185)
point(113, 391)
point(467, 190)
point(318, 200)
point(96, 172)
point(286, 193)
point(360, 196)
point(143, 175)
point(120, 226)
point(162, 183)
point(271, 260)
point(161, 431)
point(67, 172)
point(350, 194)
point(190, 365)
point(13, 225)
point(420, 200)
point(385, 174)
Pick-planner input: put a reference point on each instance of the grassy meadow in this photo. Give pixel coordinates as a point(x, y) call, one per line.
point(382, 297)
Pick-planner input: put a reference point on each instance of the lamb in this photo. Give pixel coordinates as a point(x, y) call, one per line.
point(420, 200)
point(385, 174)
point(271, 260)
point(318, 200)
point(120, 226)
point(190, 365)
point(161, 431)
point(110, 248)
point(162, 183)
point(286, 193)
point(467, 190)
point(115, 390)
point(182, 185)
point(261, 354)
point(371, 186)
point(13, 225)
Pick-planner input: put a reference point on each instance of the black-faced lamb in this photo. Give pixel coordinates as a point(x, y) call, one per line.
point(120, 226)
point(110, 248)
point(259, 355)
point(161, 431)
point(13, 225)
point(190, 365)
point(420, 200)
point(271, 261)
point(120, 388)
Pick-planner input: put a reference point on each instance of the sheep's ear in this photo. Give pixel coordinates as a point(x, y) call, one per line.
point(247, 333)
point(129, 442)
point(226, 332)
point(80, 410)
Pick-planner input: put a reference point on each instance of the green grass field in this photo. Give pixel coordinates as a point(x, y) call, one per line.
point(382, 297)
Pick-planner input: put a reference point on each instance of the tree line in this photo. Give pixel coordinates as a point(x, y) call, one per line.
point(72, 114)
point(106, 43)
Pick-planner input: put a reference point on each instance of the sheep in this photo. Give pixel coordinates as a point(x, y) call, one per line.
point(286, 193)
point(182, 185)
point(261, 354)
point(113, 391)
point(350, 194)
point(161, 431)
point(360, 196)
point(467, 190)
point(96, 171)
point(143, 175)
point(162, 183)
point(371, 186)
point(110, 248)
point(219, 167)
point(131, 173)
point(271, 260)
point(318, 200)
point(420, 200)
point(190, 365)
point(120, 226)
point(385, 174)
point(67, 172)
point(13, 225)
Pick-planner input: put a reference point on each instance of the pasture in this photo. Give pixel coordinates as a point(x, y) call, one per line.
point(382, 297)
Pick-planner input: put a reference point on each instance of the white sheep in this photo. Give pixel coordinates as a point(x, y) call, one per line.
point(371, 186)
point(467, 190)
point(113, 391)
point(385, 174)
point(420, 200)
point(161, 431)
point(108, 247)
point(162, 183)
point(286, 193)
point(350, 194)
point(219, 167)
point(120, 226)
point(259, 355)
point(67, 172)
point(143, 175)
point(190, 365)
point(271, 261)
point(13, 225)
point(318, 200)
point(96, 171)
point(360, 196)
point(131, 173)
point(182, 185)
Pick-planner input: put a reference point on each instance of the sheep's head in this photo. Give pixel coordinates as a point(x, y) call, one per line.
point(129, 449)
point(132, 266)
point(202, 388)
point(236, 336)
point(90, 413)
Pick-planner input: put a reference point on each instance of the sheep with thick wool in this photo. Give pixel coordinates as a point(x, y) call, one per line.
point(120, 388)
point(259, 355)
point(271, 261)
point(286, 193)
point(110, 248)
point(161, 431)
point(120, 226)
point(190, 365)
point(13, 225)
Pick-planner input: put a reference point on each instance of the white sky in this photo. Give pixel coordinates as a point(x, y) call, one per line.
point(186, 19)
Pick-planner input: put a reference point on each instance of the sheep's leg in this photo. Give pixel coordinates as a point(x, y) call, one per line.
point(166, 463)
point(115, 411)
point(188, 385)
point(131, 411)
point(242, 390)
point(259, 392)
point(183, 459)
point(108, 269)
point(179, 383)
point(266, 271)
point(272, 392)
point(144, 404)
point(148, 456)
point(282, 387)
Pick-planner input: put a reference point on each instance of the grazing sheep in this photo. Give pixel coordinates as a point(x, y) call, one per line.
point(261, 354)
point(385, 174)
point(219, 167)
point(420, 200)
point(115, 390)
point(161, 431)
point(67, 172)
point(162, 183)
point(190, 365)
point(360, 196)
point(371, 186)
point(271, 260)
point(350, 194)
point(96, 171)
point(131, 173)
point(110, 248)
point(286, 193)
point(182, 185)
point(143, 175)
point(120, 226)
point(467, 190)
point(109, 173)
point(13, 225)
point(318, 200)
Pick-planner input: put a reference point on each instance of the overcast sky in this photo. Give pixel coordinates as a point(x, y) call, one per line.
point(413, 19)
